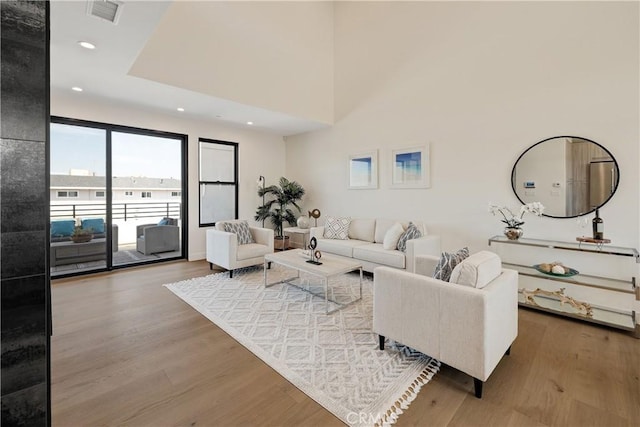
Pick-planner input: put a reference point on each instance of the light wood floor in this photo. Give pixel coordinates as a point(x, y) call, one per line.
point(126, 351)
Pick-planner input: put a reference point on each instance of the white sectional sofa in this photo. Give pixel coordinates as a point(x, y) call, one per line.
point(366, 236)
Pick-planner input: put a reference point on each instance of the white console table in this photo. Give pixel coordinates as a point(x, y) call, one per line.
point(604, 292)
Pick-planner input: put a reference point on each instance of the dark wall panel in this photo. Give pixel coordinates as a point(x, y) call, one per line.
point(24, 199)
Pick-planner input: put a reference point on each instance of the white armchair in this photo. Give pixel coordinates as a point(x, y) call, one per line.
point(224, 251)
point(467, 327)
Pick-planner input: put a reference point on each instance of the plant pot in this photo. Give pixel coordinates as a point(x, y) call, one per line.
point(513, 233)
point(82, 238)
point(281, 243)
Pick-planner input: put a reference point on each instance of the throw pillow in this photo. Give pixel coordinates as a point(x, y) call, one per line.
point(164, 221)
point(62, 228)
point(448, 262)
point(240, 229)
point(411, 232)
point(337, 228)
point(96, 225)
point(392, 236)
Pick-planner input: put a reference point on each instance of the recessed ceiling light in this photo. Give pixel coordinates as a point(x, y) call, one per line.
point(87, 45)
point(249, 123)
point(77, 89)
point(180, 109)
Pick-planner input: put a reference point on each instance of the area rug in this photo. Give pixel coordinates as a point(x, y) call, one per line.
point(333, 358)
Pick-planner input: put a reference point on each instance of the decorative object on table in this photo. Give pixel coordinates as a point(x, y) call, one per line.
point(314, 255)
point(277, 207)
point(363, 170)
point(598, 242)
point(584, 308)
point(81, 235)
point(598, 226)
point(514, 222)
point(261, 183)
point(556, 269)
point(410, 167)
point(303, 222)
point(315, 214)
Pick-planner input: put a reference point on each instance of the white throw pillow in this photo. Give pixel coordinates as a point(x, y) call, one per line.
point(337, 228)
point(392, 236)
point(478, 270)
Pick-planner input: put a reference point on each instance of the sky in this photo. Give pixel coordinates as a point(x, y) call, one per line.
point(76, 147)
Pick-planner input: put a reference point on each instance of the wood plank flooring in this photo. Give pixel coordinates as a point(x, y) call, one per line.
point(126, 351)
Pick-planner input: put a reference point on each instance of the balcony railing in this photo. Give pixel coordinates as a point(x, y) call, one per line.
point(121, 211)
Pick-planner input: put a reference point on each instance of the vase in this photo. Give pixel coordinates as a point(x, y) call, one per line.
point(513, 233)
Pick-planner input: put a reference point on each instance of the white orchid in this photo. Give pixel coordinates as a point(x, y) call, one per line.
point(512, 220)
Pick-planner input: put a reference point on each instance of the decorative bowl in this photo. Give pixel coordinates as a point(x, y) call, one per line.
point(569, 271)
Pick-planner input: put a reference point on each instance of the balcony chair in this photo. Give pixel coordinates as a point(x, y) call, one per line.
point(468, 323)
point(240, 246)
point(156, 238)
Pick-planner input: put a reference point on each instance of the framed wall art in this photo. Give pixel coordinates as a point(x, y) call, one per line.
point(363, 170)
point(410, 167)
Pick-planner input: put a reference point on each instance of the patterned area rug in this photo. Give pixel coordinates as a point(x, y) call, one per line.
point(332, 358)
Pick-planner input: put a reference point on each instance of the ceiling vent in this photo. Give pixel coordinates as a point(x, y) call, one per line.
point(107, 10)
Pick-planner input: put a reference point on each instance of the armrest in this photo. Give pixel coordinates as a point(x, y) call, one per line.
point(264, 236)
point(317, 232)
point(222, 248)
point(425, 265)
point(425, 245)
point(140, 229)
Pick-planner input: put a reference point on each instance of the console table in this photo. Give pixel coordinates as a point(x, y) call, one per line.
point(604, 291)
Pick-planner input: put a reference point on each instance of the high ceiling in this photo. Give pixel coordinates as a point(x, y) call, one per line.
point(103, 72)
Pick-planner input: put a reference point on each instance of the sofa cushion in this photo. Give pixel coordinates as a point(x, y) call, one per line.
point(62, 228)
point(412, 232)
point(383, 225)
point(362, 229)
point(339, 247)
point(448, 262)
point(392, 236)
point(374, 252)
point(337, 228)
point(478, 270)
point(96, 225)
point(251, 250)
point(240, 229)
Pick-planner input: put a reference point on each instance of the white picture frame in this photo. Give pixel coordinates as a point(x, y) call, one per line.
point(410, 167)
point(363, 170)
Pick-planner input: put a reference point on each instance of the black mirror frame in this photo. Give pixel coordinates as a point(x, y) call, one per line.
point(513, 172)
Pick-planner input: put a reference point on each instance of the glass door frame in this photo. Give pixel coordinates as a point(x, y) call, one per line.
point(184, 209)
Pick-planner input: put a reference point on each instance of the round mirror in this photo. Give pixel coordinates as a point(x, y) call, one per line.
point(570, 176)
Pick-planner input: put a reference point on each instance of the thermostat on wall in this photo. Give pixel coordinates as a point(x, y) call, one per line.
point(529, 184)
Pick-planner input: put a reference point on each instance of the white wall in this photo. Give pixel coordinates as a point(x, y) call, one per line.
point(480, 82)
point(274, 55)
point(259, 153)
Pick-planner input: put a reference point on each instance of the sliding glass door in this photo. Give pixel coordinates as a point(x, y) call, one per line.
point(117, 196)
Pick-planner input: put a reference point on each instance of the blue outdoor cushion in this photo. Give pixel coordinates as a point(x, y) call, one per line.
point(62, 228)
point(164, 221)
point(95, 224)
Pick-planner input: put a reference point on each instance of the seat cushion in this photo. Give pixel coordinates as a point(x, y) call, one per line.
point(374, 252)
point(448, 261)
point(62, 228)
point(478, 270)
point(96, 225)
point(339, 247)
point(251, 250)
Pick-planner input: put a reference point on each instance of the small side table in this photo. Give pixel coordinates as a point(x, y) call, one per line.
point(304, 232)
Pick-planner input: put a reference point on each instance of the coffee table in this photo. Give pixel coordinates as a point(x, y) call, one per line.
point(331, 267)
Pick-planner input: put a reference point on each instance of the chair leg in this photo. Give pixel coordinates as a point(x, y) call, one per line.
point(230, 274)
point(508, 352)
point(381, 338)
point(210, 266)
point(269, 265)
point(477, 385)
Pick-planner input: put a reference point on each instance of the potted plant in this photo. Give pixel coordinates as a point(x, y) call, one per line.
point(81, 235)
point(277, 207)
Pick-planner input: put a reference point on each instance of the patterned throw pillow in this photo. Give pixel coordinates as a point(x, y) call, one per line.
point(337, 228)
point(411, 232)
point(448, 262)
point(241, 229)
